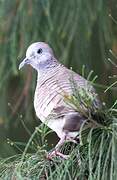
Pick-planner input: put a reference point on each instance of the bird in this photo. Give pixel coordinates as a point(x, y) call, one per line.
point(53, 85)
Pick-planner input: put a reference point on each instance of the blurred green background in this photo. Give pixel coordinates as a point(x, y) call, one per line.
point(82, 33)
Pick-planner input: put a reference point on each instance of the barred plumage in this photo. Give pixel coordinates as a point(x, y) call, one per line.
point(53, 83)
point(50, 90)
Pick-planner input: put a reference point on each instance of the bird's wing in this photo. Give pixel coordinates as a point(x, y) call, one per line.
point(71, 82)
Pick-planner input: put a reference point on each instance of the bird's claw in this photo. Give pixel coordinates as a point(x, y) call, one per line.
point(57, 153)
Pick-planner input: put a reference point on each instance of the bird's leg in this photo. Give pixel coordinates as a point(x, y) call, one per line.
point(56, 151)
point(61, 142)
point(70, 139)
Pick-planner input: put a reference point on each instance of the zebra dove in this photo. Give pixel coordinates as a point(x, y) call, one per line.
point(53, 83)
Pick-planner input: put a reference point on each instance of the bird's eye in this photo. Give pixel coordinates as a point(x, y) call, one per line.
point(39, 51)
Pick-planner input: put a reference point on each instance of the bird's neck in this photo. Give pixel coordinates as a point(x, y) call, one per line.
point(48, 70)
point(47, 65)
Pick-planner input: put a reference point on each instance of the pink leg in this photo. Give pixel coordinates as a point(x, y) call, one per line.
point(56, 152)
point(65, 139)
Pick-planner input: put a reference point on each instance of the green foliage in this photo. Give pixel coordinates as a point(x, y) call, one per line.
point(93, 158)
point(82, 34)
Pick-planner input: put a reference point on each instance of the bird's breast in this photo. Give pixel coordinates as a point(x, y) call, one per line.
point(49, 95)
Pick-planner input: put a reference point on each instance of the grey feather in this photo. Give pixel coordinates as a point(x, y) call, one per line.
point(53, 82)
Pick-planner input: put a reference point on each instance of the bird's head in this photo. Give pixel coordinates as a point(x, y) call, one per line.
point(39, 55)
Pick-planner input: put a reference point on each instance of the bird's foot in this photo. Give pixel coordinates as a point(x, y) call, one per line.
point(71, 140)
point(56, 153)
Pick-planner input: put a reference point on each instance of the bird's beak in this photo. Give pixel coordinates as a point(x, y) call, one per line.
point(25, 61)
